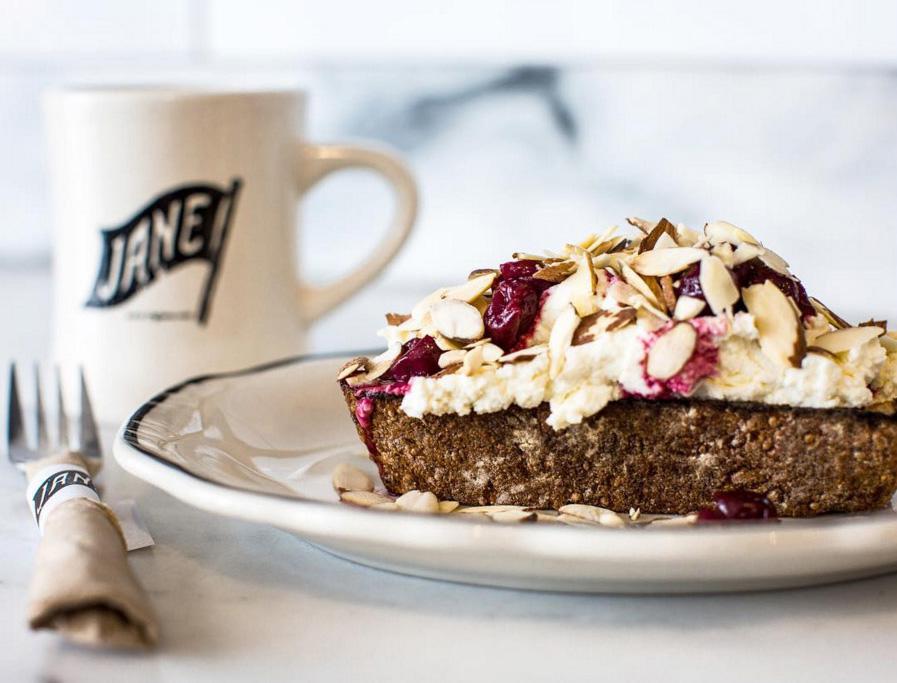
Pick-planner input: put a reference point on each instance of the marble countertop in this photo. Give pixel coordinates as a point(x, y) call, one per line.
point(238, 601)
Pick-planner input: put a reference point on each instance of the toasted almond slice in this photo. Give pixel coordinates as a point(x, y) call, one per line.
point(687, 307)
point(397, 318)
point(451, 357)
point(376, 366)
point(838, 341)
point(457, 320)
point(556, 272)
point(717, 284)
point(492, 352)
point(524, 354)
point(621, 318)
point(356, 365)
point(611, 519)
point(589, 328)
point(447, 506)
point(680, 521)
point(448, 370)
point(472, 361)
point(363, 498)
point(782, 337)
point(472, 289)
point(666, 242)
point(640, 223)
point(668, 291)
point(635, 514)
point(608, 246)
point(666, 261)
point(560, 339)
point(652, 239)
point(447, 344)
point(685, 236)
point(637, 282)
point(426, 503)
point(583, 282)
point(745, 252)
point(721, 231)
point(648, 321)
point(346, 477)
point(671, 351)
point(883, 324)
point(831, 317)
point(888, 342)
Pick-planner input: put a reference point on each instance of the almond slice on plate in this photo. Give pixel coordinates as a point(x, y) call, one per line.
point(671, 351)
point(846, 339)
point(722, 231)
point(687, 307)
point(666, 261)
point(560, 340)
point(717, 284)
point(830, 316)
point(778, 323)
point(457, 320)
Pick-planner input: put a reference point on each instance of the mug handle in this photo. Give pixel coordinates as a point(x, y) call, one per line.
point(318, 161)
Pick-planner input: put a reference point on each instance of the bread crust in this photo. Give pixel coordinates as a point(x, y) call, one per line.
point(659, 456)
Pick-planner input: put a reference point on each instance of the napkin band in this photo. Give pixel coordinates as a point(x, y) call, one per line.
point(54, 484)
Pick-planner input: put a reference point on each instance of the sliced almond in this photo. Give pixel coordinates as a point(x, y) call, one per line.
point(524, 354)
point(782, 337)
point(479, 272)
point(724, 253)
point(637, 282)
point(590, 513)
point(883, 324)
point(668, 291)
point(346, 477)
point(376, 366)
point(447, 506)
point(686, 237)
point(717, 284)
point(473, 288)
point(831, 317)
point(354, 366)
point(556, 272)
point(452, 357)
point(608, 246)
point(583, 283)
point(390, 506)
point(839, 341)
point(488, 509)
point(721, 231)
point(640, 223)
point(621, 318)
point(819, 351)
point(745, 252)
point(671, 351)
point(363, 498)
point(560, 340)
point(397, 318)
point(687, 307)
point(611, 519)
point(473, 360)
point(652, 239)
point(492, 352)
point(457, 320)
point(774, 261)
point(666, 261)
point(888, 342)
point(448, 370)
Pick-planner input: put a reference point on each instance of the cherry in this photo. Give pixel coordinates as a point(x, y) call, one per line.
point(755, 272)
point(419, 358)
point(738, 504)
point(511, 313)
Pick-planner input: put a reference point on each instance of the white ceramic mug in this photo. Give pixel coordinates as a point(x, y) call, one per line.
point(176, 233)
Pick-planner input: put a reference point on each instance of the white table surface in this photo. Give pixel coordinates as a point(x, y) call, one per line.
point(243, 602)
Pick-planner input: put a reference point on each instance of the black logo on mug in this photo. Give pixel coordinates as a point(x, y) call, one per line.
point(185, 224)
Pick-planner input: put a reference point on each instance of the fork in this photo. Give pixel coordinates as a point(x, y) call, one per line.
point(19, 451)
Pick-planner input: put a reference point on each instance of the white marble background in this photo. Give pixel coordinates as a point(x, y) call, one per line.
point(528, 124)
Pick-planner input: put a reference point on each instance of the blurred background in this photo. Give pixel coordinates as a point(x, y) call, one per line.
point(527, 123)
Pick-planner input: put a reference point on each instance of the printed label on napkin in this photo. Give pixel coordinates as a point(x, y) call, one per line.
point(56, 484)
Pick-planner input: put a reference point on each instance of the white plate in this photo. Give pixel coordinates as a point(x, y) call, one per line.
point(261, 444)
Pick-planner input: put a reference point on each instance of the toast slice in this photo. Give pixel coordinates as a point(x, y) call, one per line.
point(660, 456)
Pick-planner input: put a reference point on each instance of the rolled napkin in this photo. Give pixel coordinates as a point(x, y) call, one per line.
point(83, 586)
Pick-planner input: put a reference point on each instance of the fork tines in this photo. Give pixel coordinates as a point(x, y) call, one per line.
point(18, 448)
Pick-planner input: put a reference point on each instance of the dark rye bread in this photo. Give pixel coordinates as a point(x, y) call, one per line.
point(660, 456)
